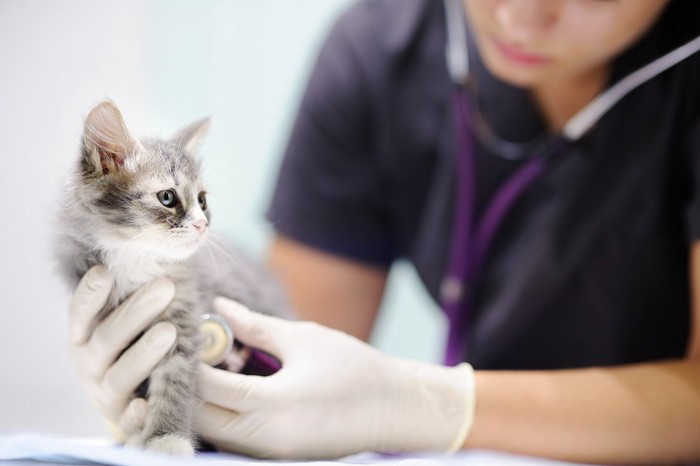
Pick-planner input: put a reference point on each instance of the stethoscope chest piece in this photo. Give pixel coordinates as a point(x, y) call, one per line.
point(217, 340)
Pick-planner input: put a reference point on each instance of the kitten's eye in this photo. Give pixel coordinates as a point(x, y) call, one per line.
point(168, 198)
point(202, 198)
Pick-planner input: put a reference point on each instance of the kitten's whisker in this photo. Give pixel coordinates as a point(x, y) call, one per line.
point(239, 263)
point(215, 241)
point(223, 251)
point(143, 256)
point(208, 249)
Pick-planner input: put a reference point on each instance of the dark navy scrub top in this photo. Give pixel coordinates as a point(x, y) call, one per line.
point(590, 266)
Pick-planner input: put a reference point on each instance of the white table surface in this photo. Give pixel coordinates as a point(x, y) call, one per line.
point(28, 448)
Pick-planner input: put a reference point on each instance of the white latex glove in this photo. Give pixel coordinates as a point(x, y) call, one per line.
point(335, 395)
point(109, 377)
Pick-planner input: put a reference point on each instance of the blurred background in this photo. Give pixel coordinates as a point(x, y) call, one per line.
point(165, 63)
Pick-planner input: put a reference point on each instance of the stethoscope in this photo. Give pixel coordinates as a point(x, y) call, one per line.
point(471, 236)
point(220, 348)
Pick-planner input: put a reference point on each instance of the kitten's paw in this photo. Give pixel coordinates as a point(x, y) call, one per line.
point(171, 445)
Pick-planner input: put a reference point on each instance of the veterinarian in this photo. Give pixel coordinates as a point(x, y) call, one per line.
point(541, 170)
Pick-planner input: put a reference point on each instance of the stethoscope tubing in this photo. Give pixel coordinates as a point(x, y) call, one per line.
point(471, 237)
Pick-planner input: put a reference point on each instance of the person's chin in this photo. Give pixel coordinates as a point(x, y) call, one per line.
point(514, 75)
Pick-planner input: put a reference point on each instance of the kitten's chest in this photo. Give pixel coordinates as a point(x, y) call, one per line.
point(185, 308)
point(133, 271)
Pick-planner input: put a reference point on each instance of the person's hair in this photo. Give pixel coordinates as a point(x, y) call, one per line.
point(678, 23)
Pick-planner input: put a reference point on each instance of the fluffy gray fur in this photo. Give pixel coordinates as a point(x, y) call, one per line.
point(113, 216)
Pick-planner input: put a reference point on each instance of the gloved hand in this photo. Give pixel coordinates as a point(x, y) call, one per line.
point(109, 377)
point(335, 395)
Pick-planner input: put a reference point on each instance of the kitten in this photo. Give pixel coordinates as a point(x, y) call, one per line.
point(139, 207)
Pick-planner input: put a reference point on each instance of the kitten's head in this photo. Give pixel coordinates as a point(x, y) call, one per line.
point(142, 197)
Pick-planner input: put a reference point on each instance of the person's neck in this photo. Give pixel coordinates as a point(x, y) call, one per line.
point(560, 100)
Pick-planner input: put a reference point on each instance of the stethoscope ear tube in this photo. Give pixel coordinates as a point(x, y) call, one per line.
point(584, 120)
point(456, 50)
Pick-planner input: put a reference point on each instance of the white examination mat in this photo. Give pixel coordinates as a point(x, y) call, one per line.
point(36, 449)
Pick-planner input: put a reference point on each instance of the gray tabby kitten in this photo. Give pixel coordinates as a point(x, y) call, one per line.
point(140, 209)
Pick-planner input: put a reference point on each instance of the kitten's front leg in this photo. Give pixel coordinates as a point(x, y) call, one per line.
point(172, 396)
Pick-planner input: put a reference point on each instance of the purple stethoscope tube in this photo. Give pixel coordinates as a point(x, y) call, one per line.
point(472, 237)
point(261, 363)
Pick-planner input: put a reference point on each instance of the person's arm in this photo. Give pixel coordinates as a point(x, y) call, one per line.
point(649, 413)
point(644, 413)
point(328, 289)
point(636, 414)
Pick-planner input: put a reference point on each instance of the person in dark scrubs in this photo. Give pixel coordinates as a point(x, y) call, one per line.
point(547, 195)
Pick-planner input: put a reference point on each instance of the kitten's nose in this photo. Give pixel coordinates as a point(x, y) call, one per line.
point(200, 226)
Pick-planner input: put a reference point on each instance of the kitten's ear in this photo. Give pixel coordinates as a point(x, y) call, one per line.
point(189, 137)
point(107, 141)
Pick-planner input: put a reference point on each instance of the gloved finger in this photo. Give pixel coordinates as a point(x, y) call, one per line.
point(138, 362)
point(252, 328)
point(124, 324)
point(219, 426)
point(88, 299)
point(230, 390)
point(134, 417)
point(116, 432)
